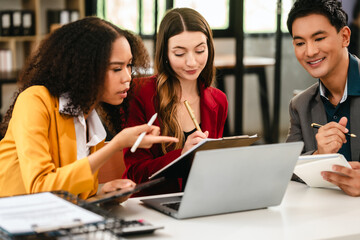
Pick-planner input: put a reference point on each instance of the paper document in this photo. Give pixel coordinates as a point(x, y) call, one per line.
point(42, 211)
point(309, 168)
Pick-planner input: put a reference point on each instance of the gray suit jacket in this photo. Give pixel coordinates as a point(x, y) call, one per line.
point(306, 108)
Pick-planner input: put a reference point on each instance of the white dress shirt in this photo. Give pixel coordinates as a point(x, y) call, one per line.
point(96, 129)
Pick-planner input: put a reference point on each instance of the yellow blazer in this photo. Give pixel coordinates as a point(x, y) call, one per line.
point(38, 152)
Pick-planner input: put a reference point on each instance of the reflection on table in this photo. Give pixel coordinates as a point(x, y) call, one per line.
point(305, 213)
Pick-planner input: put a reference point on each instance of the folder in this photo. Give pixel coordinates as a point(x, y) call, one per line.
point(57, 17)
point(74, 15)
point(5, 23)
point(28, 21)
point(5, 60)
point(16, 29)
point(180, 167)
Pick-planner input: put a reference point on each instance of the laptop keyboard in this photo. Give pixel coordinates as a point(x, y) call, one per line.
point(172, 205)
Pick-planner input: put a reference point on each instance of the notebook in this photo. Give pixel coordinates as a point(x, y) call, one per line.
point(231, 180)
point(309, 168)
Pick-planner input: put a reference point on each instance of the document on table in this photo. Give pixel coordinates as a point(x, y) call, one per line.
point(42, 212)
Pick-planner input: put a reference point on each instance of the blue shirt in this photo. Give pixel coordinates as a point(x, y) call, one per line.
point(335, 113)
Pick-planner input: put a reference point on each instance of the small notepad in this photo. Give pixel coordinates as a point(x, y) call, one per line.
point(309, 168)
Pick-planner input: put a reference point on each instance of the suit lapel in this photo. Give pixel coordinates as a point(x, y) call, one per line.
point(355, 127)
point(355, 123)
point(66, 137)
point(208, 111)
point(318, 114)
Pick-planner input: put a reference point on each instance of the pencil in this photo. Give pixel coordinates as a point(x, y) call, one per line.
point(191, 113)
point(317, 126)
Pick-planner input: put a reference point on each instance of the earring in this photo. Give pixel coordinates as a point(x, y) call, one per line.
point(166, 61)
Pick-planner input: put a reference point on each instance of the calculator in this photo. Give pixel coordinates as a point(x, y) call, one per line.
point(133, 227)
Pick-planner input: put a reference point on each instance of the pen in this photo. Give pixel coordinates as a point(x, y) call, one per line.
point(191, 113)
point(315, 125)
point(142, 135)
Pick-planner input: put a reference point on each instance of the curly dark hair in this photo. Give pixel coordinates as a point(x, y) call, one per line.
point(331, 9)
point(74, 60)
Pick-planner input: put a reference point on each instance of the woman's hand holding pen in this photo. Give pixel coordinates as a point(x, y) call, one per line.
point(331, 136)
point(128, 136)
point(194, 139)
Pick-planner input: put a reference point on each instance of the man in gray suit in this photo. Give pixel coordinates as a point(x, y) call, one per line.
point(320, 38)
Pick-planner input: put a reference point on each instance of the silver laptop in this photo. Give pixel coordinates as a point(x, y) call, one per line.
point(233, 179)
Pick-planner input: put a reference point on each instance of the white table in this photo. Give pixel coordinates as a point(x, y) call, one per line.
point(305, 213)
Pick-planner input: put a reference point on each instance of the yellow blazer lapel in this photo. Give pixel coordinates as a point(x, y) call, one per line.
point(66, 136)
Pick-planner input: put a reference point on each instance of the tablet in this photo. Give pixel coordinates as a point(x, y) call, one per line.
point(102, 198)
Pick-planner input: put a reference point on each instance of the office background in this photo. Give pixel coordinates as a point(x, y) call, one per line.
point(256, 42)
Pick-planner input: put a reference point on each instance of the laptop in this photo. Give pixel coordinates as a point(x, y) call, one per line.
point(233, 179)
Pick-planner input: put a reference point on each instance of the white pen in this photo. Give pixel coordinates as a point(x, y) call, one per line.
point(142, 135)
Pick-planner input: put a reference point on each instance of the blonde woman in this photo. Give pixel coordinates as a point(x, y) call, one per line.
point(184, 62)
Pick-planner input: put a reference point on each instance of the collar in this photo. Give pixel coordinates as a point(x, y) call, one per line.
point(64, 99)
point(323, 91)
point(95, 127)
point(206, 97)
point(352, 86)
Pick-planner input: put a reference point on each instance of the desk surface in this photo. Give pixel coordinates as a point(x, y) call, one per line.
point(224, 61)
point(305, 213)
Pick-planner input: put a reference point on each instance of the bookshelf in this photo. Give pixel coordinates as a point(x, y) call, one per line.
point(22, 46)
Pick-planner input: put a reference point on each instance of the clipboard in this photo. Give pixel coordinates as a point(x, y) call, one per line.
point(102, 198)
point(180, 167)
point(39, 214)
point(98, 221)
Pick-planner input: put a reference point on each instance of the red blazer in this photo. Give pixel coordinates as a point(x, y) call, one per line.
point(144, 162)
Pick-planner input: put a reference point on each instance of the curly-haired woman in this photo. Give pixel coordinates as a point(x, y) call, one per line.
point(184, 62)
point(53, 136)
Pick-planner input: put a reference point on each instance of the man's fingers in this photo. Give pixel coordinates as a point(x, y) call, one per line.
point(335, 178)
point(355, 165)
point(343, 121)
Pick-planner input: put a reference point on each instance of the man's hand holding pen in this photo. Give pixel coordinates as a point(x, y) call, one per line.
point(331, 137)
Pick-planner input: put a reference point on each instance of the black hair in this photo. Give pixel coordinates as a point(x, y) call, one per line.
point(74, 60)
point(331, 9)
